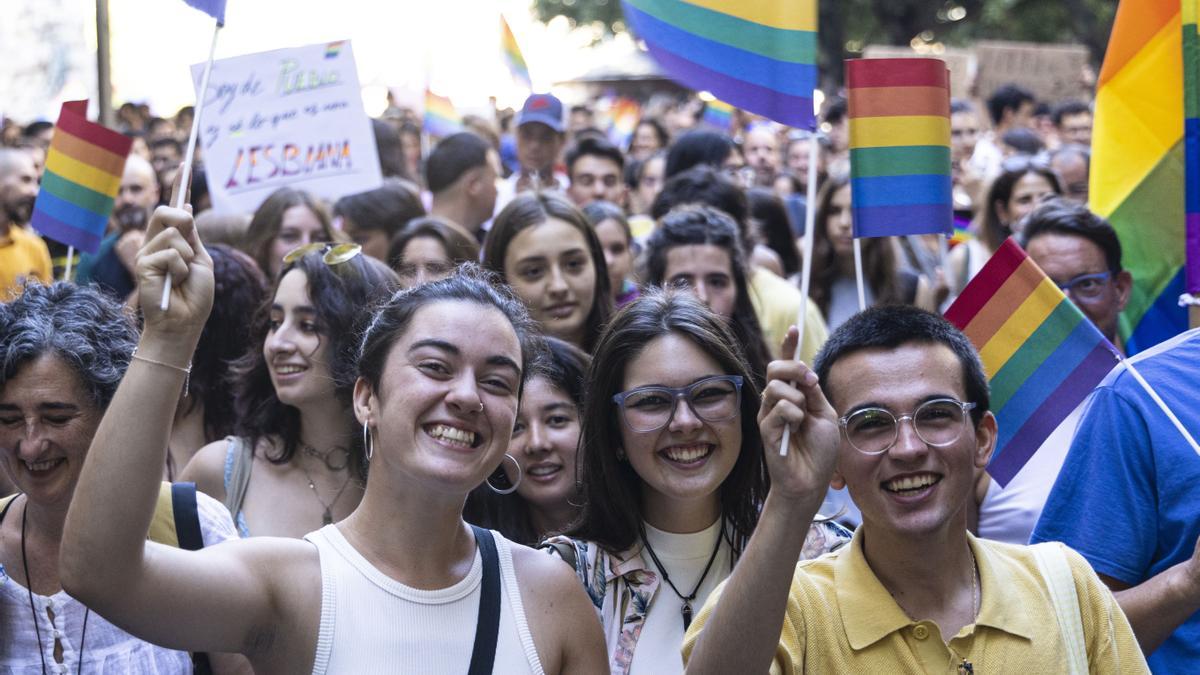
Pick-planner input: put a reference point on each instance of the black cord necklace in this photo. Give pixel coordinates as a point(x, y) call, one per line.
point(686, 610)
point(33, 612)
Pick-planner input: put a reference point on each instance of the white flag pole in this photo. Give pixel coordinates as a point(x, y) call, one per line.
point(1161, 404)
point(858, 275)
point(810, 213)
point(70, 259)
point(185, 169)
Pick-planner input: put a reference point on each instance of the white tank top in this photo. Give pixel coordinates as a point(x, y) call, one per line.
point(371, 623)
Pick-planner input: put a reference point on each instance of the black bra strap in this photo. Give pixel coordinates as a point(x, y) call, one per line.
point(487, 627)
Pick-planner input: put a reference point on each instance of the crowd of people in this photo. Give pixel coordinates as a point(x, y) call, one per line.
point(522, 409)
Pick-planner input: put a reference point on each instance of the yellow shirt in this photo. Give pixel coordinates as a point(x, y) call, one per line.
point(841, 619)
point(22, 254)
point(777, 305)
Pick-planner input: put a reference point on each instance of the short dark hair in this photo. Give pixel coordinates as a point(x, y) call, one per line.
point(1022, 139)
point(697, 224)
point(704, 185)
point(889, 327)
point(167, 141)
point(612, 513)
point(81, 325)
point(1061, 216)
point(594, 147)
point(34, 128)
point(695, 148)
point(343, 295)
point(453, 156)
point(387, 208)
point(1071, 106)
point(836, 109)
point(961, 105)
point(1007, 97)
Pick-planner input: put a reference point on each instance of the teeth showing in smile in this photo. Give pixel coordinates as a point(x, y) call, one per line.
point(685, 454)
point(543, 470)
point(443, 432)
point(290, 370)
point(43, 465)
point(910, 483)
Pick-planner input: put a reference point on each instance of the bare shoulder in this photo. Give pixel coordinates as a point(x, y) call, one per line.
point(548, 574)
point(561, 618)
point(207, 469)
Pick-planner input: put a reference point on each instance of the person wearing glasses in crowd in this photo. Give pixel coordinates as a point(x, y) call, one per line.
point(1080, 252)
point(296, 460)
point(672, 475)
point(390, 588)
point(897, 410)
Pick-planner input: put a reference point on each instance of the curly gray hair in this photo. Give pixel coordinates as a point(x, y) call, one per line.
point(87, 329)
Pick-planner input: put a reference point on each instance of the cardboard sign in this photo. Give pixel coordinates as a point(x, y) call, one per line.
point(1053, 72)
point(289, 117)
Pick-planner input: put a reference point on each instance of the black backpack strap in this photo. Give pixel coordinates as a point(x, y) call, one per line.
point(487, 627)
point(187, 516)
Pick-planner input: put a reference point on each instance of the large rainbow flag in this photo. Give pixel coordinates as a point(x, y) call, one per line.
point(441, 117)
point(899, 112)
point(512, 55)
point(1138, 161)
point(81, 178)
point(1042, 356)
point(758, 55)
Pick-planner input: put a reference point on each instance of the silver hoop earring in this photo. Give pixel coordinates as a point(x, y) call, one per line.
point(368, 441)
point(512, 489)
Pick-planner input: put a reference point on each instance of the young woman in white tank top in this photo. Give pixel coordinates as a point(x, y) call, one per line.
point(392, 588)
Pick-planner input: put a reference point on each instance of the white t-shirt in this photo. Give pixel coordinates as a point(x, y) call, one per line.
point(684, 557)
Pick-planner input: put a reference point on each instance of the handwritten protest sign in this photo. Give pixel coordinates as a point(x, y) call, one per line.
point(289, 117)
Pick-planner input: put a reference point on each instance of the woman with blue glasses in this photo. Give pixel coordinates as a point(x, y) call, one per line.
point(672, 475)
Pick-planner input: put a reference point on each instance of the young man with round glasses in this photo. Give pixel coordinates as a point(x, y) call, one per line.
point(897, 411)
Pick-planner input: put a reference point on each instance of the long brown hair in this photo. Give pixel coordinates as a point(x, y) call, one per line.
point(268, 218)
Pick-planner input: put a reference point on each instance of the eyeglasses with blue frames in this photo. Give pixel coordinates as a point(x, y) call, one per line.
point(1087, 287)
point(938, 422)
point(713, 399)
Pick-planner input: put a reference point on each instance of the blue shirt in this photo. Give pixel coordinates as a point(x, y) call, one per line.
point(1128, 496)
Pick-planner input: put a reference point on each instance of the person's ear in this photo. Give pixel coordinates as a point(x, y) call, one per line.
point(985, 439)
point(365, 401)
point(1123, 281)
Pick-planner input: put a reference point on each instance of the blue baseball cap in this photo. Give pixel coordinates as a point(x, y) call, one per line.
point(543, 109)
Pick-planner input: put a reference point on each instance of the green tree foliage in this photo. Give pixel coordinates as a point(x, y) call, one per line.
point(848, 25)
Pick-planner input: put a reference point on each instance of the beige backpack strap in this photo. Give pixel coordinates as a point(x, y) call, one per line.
point(239, 478)
point(1052, 563)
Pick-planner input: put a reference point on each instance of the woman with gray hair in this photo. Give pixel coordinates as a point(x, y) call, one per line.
point(63, 351)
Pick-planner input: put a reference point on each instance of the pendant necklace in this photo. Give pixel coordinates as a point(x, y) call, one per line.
point(327, 455)
point(686, 610)
point(33, 612)
point(327, 516)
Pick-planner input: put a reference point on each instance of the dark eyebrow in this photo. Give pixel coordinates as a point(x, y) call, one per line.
point(444, 346)
point(663, 386)
point(300, 309)
point(875, 404)
point(49, 405)
point(556, 405)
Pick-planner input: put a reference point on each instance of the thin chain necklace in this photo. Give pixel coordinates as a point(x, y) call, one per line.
point(686, 610)
point(33, 612)
point(324, 456)
point(964, 666)
point(327, 516)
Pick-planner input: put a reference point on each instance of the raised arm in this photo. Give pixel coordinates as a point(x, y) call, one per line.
point(742, 632)
point(210, 600)
point(1162, 603)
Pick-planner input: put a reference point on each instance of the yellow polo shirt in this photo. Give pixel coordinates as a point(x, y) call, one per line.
point(23, 255)
point(777, 303)
point(840, 619)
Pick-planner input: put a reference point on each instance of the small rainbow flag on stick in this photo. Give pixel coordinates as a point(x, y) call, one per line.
point(441, 117)
point(718, 114)
point(1042, 356)
point(759, 55)
point(899, 111)
point(512, 55)
point(81, 179)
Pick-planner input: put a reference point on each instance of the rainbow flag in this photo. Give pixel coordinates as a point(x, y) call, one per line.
point(623, 115)
point(1042, 356)
point(759, 55)
point(1137, 176)
point(81, 178)
point(899, 112)
point(512, 55)
point(334, 48)
point(441, 118)
point(718, 114)
point(961, 235)
point(1191, 105)
point(213, 8)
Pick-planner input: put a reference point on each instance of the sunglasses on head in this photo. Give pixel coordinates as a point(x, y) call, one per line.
point(332, 254)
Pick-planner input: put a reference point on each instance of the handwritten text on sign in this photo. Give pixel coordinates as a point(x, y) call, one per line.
point(289, 117)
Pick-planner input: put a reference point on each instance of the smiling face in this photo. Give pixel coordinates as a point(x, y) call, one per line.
point(298, 227)
point(550, 267)
point(47, 422)
point(683, 464)
point(707, 271)
point(913, 489)
point(455, 358)
point(544, 443)
point(297, 353)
